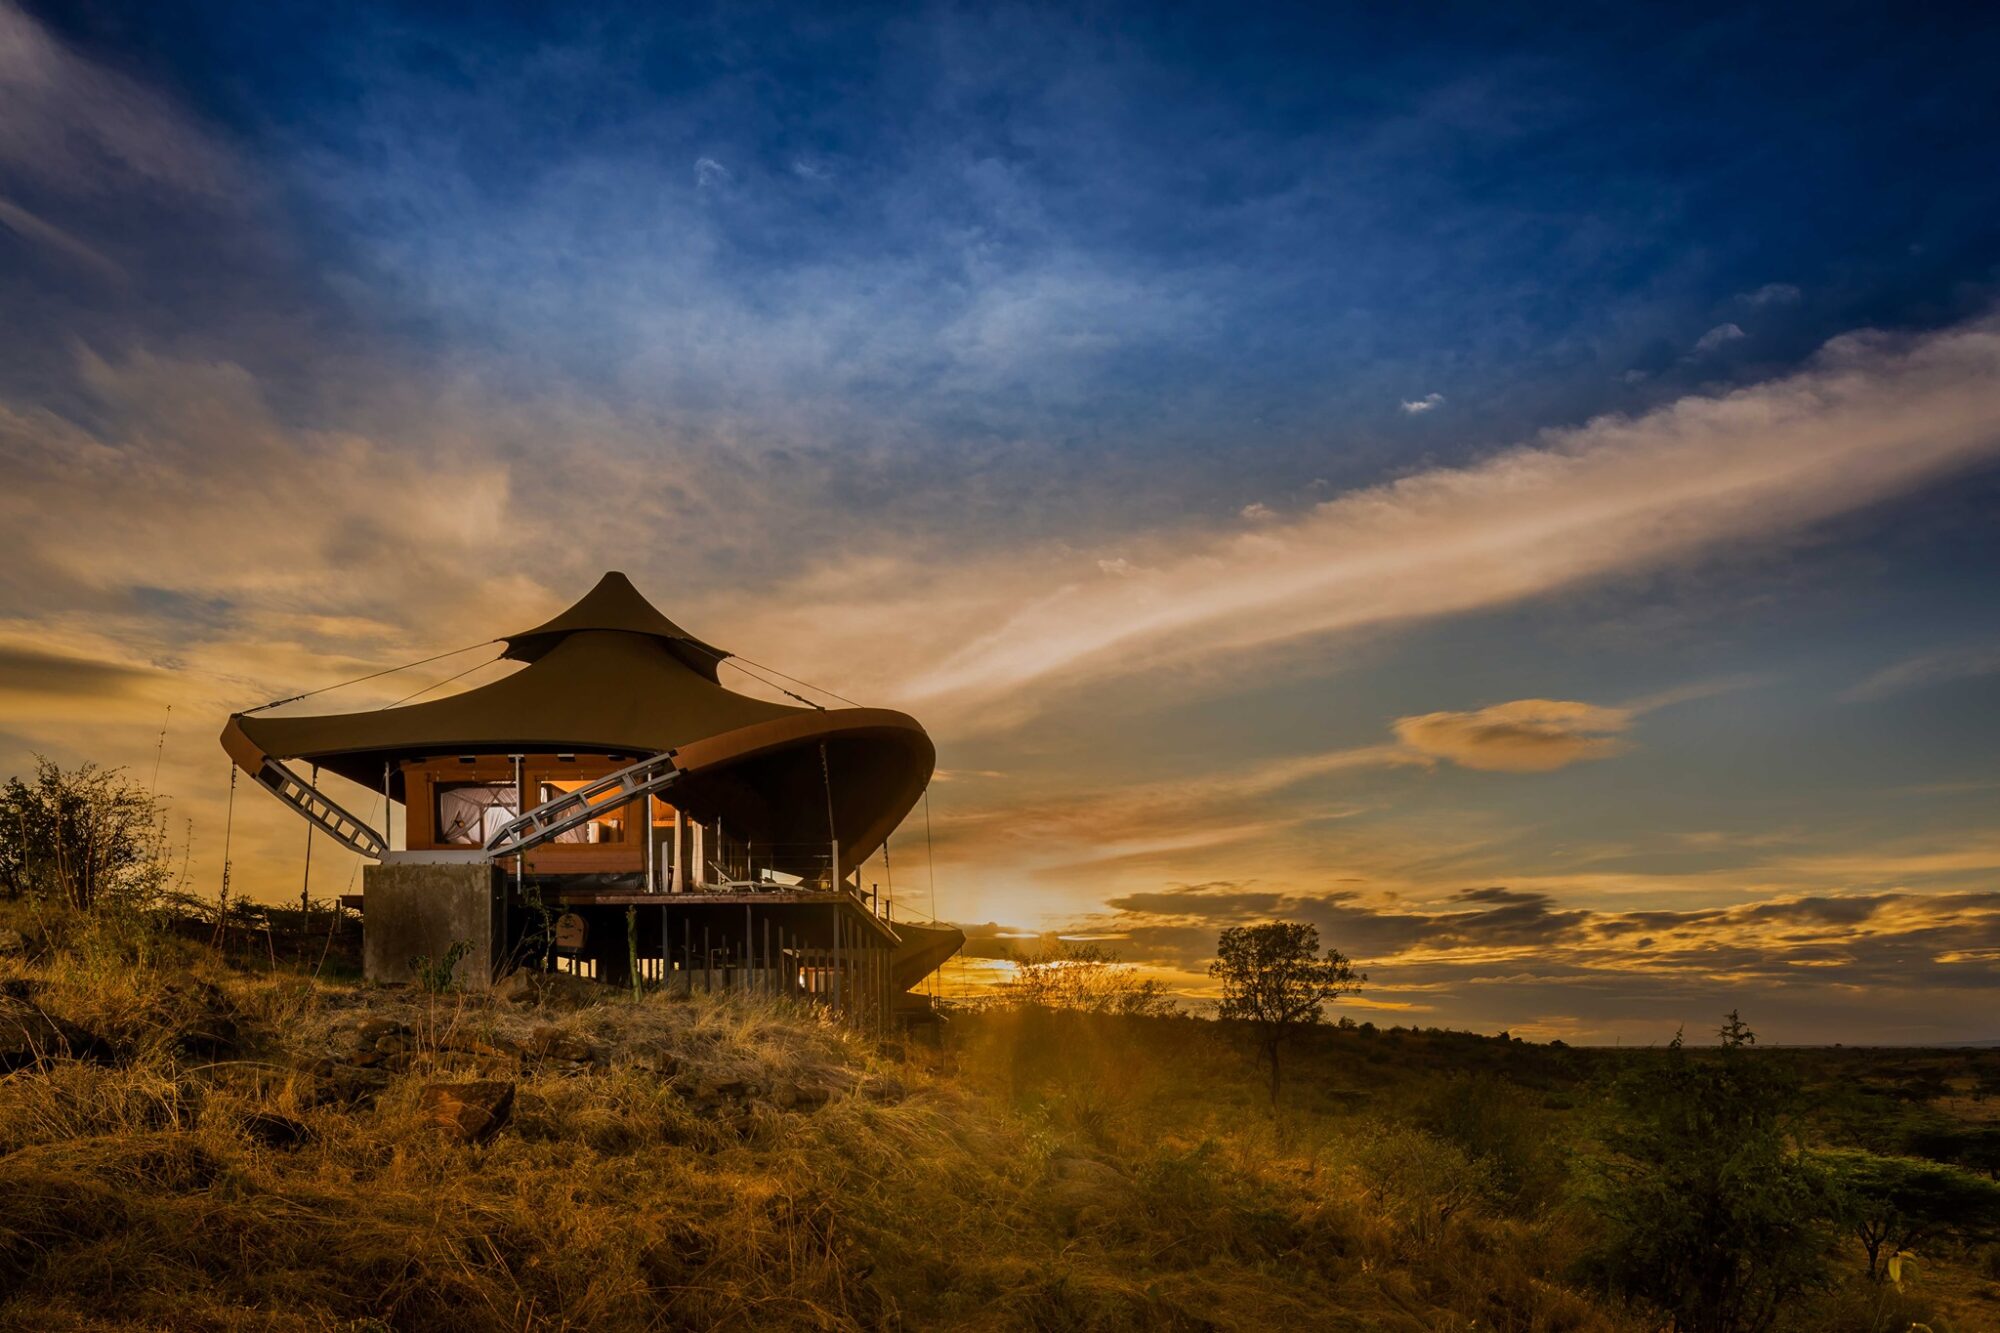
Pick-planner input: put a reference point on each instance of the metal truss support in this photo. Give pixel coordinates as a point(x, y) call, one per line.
point(551, 820)
point(318, 809)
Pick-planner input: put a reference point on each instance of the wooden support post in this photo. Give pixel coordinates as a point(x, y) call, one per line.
point(680, 850)
point(836, 956)
point(770, 966)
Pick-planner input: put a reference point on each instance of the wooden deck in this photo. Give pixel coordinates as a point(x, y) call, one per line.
point(673, 902)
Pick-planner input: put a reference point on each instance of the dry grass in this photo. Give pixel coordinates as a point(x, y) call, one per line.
point(1073, 1176)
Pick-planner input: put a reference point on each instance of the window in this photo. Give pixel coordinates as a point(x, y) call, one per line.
point(466, 814)
point(608, 827)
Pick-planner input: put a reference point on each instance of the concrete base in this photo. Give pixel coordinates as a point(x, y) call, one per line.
point(414, 910)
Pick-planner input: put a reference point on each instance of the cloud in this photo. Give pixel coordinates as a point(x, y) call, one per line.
point(708, 173)
point(1524, 736)
point(1717, 338)
point(1257, 512)
point(1418, 406)
point(1772, 293)
point(1871, 417)
point(23, 223)
point(77, 128)
point(30, 671)
point(1967, 662)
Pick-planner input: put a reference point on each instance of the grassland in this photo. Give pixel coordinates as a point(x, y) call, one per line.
point(216, 1144)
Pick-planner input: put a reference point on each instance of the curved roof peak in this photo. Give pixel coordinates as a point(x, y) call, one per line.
point(614, 604)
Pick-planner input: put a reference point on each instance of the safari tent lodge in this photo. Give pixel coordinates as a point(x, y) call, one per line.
point(611, 808)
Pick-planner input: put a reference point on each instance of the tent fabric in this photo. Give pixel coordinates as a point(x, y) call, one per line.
point(612, 674)
point(614, 604)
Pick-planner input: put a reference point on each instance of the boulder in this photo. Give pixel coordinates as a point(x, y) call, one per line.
point(369, 1033)
point(556, 989)
point(475, 1112)
point(549, 1042)
point(13, 944)
point(30, 1037)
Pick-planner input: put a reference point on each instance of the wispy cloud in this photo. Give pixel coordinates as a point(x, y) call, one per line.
point(1717, 338)
point(1772, 293)
point(1418, 406)
point(1872, 417)
point(25, 224)
point(76, 127)
point(1967, 662)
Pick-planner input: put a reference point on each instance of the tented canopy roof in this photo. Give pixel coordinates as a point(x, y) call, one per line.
point(613, 675)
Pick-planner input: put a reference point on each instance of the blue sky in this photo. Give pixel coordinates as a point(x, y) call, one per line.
point(1126, 395)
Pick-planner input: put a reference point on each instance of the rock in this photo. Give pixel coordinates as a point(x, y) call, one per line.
point(517, 987)
point(342, 1085)
point(370, 1031)
point(549, 1042)
point(274, 1130)
point(1100, 1174)
point(473, 1111)
point(30, 1037)
point(557, 989)
point(13, 944)
point(713, 1092)
point(496, 1047)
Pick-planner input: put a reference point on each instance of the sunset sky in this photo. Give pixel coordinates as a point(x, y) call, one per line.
point(1519, 493)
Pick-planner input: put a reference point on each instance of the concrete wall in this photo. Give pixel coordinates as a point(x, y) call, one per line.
point(420, 908)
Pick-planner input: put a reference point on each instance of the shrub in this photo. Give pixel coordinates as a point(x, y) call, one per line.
point(1709, 1211)
point(1422, 1181)
point(81, 839)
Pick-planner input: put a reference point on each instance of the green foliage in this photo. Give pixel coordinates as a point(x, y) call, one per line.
point(80, 838)
point(1088, 979)
point(1710, 1211)
point(438, 975)
point(1422, 1182)
point(1503, 1128)
point(1273, 975)
point(1895, 1204)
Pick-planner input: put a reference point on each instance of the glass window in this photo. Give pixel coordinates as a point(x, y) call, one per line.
point(468, 813)
point(604, 828)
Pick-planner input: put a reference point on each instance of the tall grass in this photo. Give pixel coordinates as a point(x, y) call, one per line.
point(733, 1163)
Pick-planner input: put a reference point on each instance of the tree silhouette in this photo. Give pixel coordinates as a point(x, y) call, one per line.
point(1275, 977)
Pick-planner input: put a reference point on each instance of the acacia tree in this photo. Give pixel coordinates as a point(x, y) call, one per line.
point(1895, 1204)
point(1275, 977)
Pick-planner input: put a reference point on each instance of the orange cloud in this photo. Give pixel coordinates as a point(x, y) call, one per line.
point(1525, 736)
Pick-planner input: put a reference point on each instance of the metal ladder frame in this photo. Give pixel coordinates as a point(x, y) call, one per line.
point(572, 810)
point(316, 808)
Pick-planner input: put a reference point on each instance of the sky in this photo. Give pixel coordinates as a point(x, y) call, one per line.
point(1513, 486)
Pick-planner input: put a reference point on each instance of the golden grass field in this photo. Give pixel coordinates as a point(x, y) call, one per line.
point(246, 1147)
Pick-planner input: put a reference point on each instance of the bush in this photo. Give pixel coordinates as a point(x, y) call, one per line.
point(1421, 1181)
point(80, 839)
point(1499, 1125)
point(1710, 1213)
